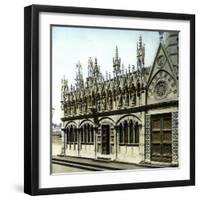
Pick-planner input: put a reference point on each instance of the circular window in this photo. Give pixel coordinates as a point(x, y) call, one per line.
point(161, 60)
point(161, 88)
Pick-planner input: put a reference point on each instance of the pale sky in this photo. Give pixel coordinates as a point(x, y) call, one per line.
point(73, 44)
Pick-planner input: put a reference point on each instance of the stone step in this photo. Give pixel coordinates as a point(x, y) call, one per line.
point(79, 165)
point(76, 166)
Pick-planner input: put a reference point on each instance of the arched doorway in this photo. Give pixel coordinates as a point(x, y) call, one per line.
point(105, 141)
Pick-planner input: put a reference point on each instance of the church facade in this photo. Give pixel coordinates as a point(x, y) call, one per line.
point(131, 116)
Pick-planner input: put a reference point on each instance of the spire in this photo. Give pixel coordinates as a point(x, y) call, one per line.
point(123, 69)
point(126, 71)
point(96, 69)
point(140, 58)
point(106, 75)
point(90, 67)
point(161, 35)
point(116, 52)
point(140, 53)
point(140, 41)
point(95, 61)
point(71, 88)
point(116, 63)
point(133, 68)
point(94, 73)
point(79, 77)
point(64, 88)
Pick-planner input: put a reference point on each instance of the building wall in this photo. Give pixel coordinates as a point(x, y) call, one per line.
point(124, 101)
point(133, 153)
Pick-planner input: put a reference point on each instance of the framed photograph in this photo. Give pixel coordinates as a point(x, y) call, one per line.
point(109, 99)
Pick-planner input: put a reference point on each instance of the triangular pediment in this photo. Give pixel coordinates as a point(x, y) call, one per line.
point(161, 63)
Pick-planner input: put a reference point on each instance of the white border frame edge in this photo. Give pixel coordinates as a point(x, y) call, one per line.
point(46, 180)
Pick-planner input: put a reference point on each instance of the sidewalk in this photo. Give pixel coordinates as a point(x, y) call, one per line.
point(109, 165)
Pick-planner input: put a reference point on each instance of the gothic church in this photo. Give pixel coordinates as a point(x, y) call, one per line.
point(131, 116)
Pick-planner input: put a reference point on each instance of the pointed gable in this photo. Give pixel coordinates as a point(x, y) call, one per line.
point(161, 62)
point(162, 84)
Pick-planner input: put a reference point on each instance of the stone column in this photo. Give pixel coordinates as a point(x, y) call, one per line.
point(64, 143)
point(78, 141)
point(116, 128)
point(90, 133)
point(148, 139)
point(175, 138)
point(128, 132)
point(134, 132)
point(66, 138)
point(95, 141)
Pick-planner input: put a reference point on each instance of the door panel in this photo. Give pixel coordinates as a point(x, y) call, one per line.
point(167, 136)
point(156, 125)
point(166, 123)
point(161, 138)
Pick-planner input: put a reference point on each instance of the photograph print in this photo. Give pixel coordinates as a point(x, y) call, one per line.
point(114, 99)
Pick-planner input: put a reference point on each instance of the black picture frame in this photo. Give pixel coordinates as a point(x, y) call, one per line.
point(31, 98)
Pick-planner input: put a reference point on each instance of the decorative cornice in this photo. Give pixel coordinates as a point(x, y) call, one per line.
point(122, 111)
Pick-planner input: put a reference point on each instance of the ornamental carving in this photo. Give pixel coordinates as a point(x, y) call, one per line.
point(175, 137)
point(148, 139)
point(161, 89)
point(161, 60)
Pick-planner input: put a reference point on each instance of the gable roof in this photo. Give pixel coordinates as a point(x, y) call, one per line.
point(168, 67)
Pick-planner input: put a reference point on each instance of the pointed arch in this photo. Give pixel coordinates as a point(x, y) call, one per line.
point(86, 121)
point(107, 119)
point(161, 70)
point(69, 123)
point(134, 118)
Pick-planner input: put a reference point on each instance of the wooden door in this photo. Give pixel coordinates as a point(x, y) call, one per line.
point(161, 138)
point(105, 139)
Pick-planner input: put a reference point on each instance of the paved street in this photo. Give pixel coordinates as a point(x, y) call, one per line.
point(75, 164)
point(56, 168)
point(56, 145)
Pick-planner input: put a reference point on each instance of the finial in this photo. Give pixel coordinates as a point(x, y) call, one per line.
point(90, 66)
point(71, 87)
point(106, 75)
point(116, 52)
point(95, 61)
point(161, 35)
point(114, 75)
point(133, 68)
point(140, 41)
point(90, 63)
